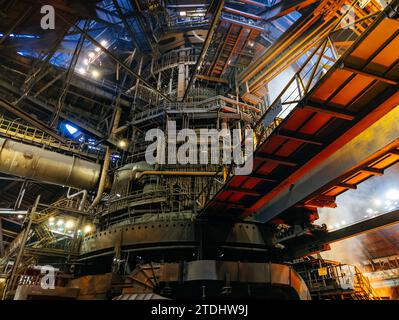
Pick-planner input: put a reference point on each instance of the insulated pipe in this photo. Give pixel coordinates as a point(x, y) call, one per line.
point(84, 197)
point(136, 171)
point(103, 179)
point(34, 163)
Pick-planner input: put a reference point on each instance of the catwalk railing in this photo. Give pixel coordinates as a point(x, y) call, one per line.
point(19, 131)
point(325, 55)
point(335, 36)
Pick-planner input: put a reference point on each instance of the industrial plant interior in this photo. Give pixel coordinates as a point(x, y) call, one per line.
point(312, 85)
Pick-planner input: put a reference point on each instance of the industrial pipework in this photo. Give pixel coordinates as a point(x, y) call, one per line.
point(34, 163)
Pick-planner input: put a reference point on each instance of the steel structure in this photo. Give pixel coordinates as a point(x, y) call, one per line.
point(316, 81)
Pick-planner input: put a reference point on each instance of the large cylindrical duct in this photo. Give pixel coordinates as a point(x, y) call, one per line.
point(47, 166)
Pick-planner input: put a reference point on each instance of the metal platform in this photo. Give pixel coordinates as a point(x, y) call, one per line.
point(357, 90)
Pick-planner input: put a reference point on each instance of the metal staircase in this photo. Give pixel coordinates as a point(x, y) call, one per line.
point(55, 208)
point(40, 229)
point(44, 236)
point(227, 50)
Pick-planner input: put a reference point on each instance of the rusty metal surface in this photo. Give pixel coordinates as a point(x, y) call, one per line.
point(238, 272)
point(27, 292)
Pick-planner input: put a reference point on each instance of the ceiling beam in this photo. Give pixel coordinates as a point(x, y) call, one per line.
point(347, 186)
point(370, 75)
point(276, 159)
point(248, 192)
point(373, 171)
point(296, 136)
point(262, 177)
point(323, 108)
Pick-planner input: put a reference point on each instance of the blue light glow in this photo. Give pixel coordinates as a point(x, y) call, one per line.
point(71, 129)
point(27, 36)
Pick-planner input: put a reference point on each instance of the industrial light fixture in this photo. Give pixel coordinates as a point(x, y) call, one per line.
point(82, 71)
point(122, 143)
point(183, 13)
point(20, 216)
point(87, 229)
point(71, 129)
point(69, 224)
point(104, 43)
point(95, 74)
point(60, 222)
point(86, 61)
point(91, 55)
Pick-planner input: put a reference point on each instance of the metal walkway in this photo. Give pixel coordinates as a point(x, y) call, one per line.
point(356, 91)
point(19, 131)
